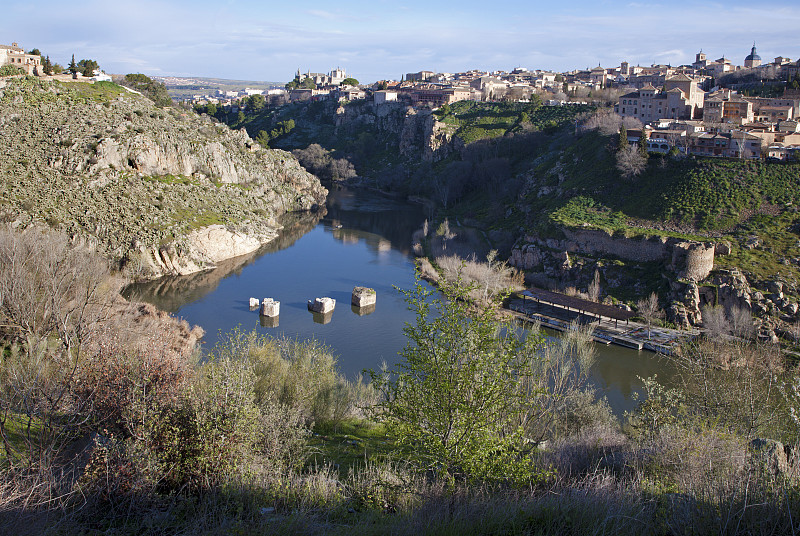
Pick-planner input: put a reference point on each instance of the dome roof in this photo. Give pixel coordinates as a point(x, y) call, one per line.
point(753, 55)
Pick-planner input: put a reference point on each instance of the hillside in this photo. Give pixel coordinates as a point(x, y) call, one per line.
point(157, 189)
point(543, 189)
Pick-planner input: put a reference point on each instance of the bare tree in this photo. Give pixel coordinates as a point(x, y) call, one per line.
point(52, 296)
point(679, 142)
point(594, 287)
point(715, 322)
point(604, 121)
point(631, 123)
point(649, 310)
point(630, 162)
point(739, 143)
point(741, 322)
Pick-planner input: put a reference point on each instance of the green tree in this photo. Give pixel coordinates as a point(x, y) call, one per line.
point(255, 103)
point(47, 67)
point(642, 144)
point(73, 67)
point(623, 138)
point(211, 109)
point(458, 400)
point(35, 52)
point(155, 91)
point(87, 67)
point(350, 82)
point(263, 138)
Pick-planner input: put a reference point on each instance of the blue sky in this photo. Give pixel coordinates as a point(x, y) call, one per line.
point(253, 40)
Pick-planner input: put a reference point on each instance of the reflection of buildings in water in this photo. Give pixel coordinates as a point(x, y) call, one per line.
point(269, 321)
point(384, 245)
point(375, 216)
point(322, 318)
point(363, 311)
point(346, 236)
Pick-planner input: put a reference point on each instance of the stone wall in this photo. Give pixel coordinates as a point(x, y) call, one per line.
point(687, 259)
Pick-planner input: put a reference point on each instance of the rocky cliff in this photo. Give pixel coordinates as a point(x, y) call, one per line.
point(420, 135)
point(158, 189)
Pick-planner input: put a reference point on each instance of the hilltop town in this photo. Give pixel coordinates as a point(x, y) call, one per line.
point(708, 108)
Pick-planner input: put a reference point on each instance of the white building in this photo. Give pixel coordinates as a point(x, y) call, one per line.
point(385, 96)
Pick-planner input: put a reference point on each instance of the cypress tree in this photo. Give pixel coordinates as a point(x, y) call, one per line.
point(623, 138)
point(643, 143)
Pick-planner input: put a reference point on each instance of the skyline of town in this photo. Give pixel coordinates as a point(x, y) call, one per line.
point(245, 40)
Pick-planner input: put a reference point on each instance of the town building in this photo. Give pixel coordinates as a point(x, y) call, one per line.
point(752, 59)
point(16, 56)
point(384, 96)
point(726, 106)
point(439, 96)
point(422, 76)
point(334, 78)
point(679, 99)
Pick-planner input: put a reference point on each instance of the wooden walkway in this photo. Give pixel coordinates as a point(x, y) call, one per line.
point(558, 312)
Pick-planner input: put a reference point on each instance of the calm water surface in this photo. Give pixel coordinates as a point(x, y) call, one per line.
point(364, 239)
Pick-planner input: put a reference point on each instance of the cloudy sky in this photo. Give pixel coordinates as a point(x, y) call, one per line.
point(377, 39)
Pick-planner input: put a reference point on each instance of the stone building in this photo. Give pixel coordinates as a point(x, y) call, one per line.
point(680, 98)
point(752, 59)
point(440, 96)
point(16, 56)
point(334, 78)
point(727, 107)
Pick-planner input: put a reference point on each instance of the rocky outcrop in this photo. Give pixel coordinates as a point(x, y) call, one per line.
point(217, 243)
point(161, 189)
point(420, 135)
point(777, 459)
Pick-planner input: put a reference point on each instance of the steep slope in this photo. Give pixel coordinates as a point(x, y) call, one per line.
point(158, 189)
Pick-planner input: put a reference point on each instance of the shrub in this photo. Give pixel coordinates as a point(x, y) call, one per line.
point(458, 398)
point(298, 374)
point(11, 70)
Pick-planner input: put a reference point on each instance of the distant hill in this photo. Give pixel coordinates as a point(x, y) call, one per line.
point(183, 87)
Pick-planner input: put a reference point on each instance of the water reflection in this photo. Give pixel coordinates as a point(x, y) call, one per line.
point(363, 311)
point(170, 293)
point(269, 321)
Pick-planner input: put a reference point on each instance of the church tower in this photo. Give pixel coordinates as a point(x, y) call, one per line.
point(752, 59)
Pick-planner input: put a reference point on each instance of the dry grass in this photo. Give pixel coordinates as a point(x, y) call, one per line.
point(488, 279)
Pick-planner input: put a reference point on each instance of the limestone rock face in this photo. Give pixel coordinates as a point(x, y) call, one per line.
point(321, 305)
point(363, 296)
point(217, 243)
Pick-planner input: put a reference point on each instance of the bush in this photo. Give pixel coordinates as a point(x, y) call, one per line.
point(299, 374)
point(11, 70)
point(458, 399)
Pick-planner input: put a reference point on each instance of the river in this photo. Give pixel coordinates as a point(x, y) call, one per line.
point(365, 240)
